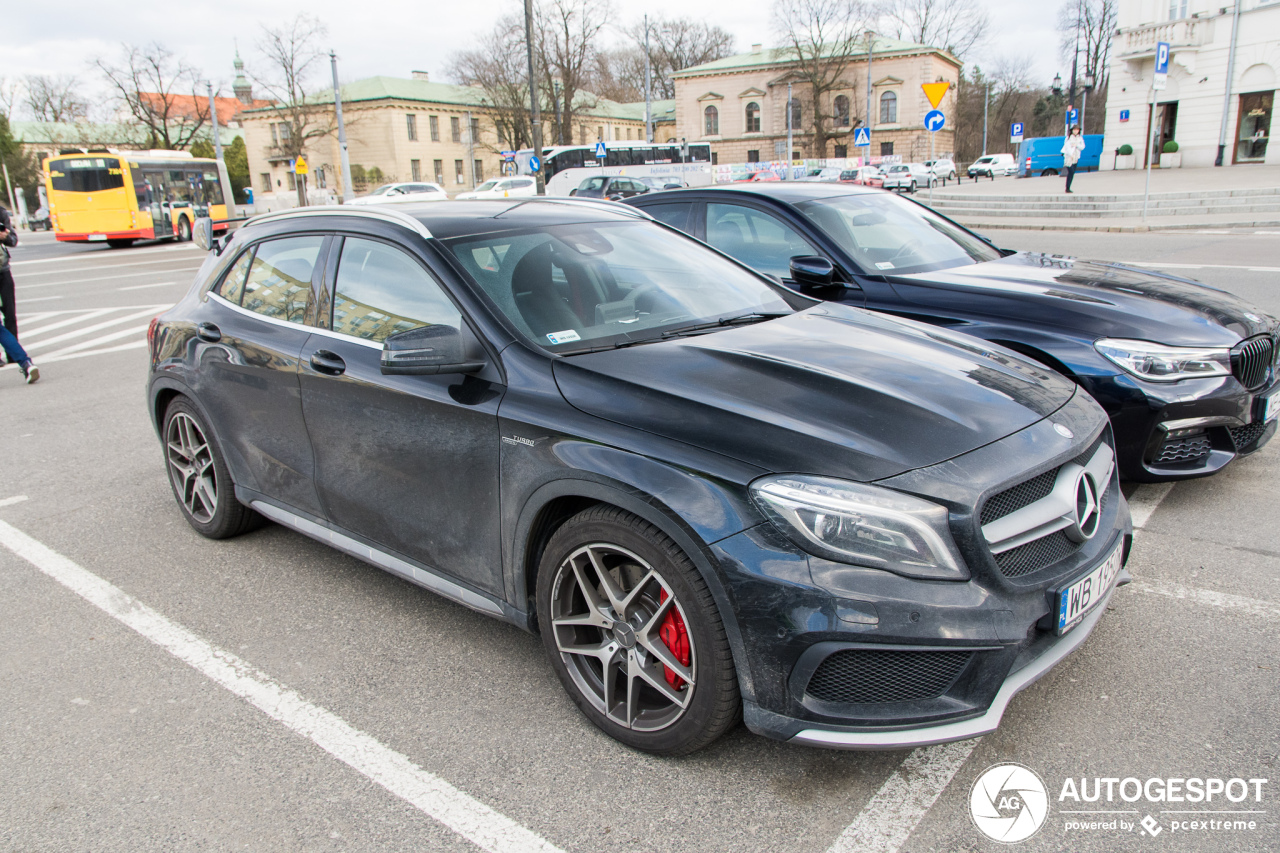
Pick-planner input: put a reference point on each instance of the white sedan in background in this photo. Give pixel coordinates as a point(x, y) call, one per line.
point(503, 188)
point(403, 193)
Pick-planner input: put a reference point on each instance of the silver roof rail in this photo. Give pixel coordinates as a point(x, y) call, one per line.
point(597, 204)
point(398, 217)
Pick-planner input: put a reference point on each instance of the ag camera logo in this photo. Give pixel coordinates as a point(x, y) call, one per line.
point(1008, 803)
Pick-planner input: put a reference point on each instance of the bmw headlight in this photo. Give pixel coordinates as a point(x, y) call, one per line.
point(862, 525)
point(1160, 363)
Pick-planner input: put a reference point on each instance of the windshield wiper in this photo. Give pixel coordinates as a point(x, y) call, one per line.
point(740, 320)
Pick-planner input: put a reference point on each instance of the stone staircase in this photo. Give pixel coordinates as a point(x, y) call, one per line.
point(1248, 205)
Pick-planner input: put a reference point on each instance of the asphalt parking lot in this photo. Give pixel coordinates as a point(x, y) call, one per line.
point(166, 692)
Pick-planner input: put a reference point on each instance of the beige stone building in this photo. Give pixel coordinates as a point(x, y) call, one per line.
point(410, 130)
point(739, 103)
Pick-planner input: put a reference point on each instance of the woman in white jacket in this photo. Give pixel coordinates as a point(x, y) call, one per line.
point(1072, 148)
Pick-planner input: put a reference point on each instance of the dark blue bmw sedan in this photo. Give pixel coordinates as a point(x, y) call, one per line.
point(714, 498)
point(1188, 373)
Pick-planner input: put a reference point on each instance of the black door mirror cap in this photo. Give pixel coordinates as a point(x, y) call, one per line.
point(813, 271)
point(430, 350)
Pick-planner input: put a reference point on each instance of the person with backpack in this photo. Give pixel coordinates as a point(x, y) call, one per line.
point(8, 305)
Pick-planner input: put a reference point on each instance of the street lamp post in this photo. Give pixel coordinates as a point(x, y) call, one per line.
point(871, 43)
point(648, 86)
point(786, 174)
point(986, 102)
point(535, 117)
point(348, 192)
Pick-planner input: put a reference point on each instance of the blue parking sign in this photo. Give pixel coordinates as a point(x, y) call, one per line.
point(1073, 117)
point(861, 137)
point(1015, 132)
point(1162, 57)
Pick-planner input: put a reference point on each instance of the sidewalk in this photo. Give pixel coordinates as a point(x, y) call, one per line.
point(1099, 185)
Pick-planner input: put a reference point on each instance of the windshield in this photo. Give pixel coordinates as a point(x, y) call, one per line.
point(487, 185)
point(382, 189)
point(884, 233)
point(573, 287)
point(899, 169)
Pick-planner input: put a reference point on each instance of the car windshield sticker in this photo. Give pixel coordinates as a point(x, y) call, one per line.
point(564, 337)
point(884, 265)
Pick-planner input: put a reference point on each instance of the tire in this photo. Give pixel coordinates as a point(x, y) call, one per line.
point(199, 477)
point(120, 244)
point(1047, 172)
point(623, 674)
point(912, 188)
point(184, 229)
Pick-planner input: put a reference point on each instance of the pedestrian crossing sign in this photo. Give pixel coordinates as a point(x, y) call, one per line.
point(600, 150)
point(861, 137)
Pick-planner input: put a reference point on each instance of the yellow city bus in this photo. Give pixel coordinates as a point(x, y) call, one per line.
point(117, 197)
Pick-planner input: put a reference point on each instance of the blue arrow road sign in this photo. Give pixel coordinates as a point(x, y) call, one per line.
point(599, 150)
point(934, 120)
point(534, 163)
point(861, 137)
point(1162, 57)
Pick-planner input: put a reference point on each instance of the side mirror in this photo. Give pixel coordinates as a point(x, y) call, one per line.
point(430, 350)
point(812, 271)
point(202, 235)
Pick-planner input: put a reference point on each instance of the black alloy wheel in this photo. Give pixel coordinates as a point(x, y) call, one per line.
point(200, 480)
point(634, 634)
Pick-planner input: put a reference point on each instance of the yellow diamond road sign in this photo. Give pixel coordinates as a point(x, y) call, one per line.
point(935, 91)
point(300, 167)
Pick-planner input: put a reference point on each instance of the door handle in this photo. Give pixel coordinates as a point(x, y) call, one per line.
point(209, 332)
point(328, 363)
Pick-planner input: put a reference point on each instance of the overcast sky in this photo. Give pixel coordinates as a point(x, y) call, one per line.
point(393, 37)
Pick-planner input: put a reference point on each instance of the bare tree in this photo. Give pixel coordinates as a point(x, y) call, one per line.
point(1090, 24)
point(618, 74)
point(676, 44)
point(10, 92)
point(955, 25)
point(497, 66)
point(160, 91)
point(567, 42)
point(292, 56)
point(822, 36)
point(55, 98)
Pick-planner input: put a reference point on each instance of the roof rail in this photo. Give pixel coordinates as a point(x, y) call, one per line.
point(599, 204)
point(398, 217)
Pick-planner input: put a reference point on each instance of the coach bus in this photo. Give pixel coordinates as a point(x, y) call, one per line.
point(117, 197)
point(564, 167)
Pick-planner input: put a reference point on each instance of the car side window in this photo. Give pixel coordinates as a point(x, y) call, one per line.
point(758, 239)
point(232, 287)
point(279, 280)
point(381, 291)
point(675, 215)
point(593, 183)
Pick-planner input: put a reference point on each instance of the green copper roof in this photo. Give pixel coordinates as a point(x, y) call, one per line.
point(784, 55)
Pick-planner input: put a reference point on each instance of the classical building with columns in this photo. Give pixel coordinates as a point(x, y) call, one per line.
point(739, 104)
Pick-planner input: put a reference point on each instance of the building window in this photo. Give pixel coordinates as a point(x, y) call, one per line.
point(842, 111)
point(434, 122)
point(886, 148)
point(753, 119)
point(275, 138)
point(715, 158)
point(1177, 9)
point(478, 166)
point(320, 179)
point(888, 108)
point(458, 176)
point(600, 132)
point(842, 151)
point(795, 114)
point(439, 171)
point(475, 131)
point(455, 129)
point(582, 134)
point(753, 155)
point(411, 121)
point(266, 181)
point(711, 117)
point(293, 181)
point(284, 131)
point(415, 170)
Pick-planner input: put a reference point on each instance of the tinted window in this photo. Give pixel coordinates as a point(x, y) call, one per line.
point(86, 174)
point(211, 187)
point(675, 215)
point(382, 291)
point(279, 280)
point(756, 238)
point(232, 288)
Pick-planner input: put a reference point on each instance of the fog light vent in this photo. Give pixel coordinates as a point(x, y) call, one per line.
point(864, 676)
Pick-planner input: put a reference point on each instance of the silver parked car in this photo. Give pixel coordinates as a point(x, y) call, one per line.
point(909, 177)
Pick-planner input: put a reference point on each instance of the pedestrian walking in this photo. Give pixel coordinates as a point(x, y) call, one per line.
point(13, 350)
point(1072, 148)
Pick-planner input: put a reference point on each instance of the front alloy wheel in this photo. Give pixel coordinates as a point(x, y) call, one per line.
point(634, 635)
point(199, 477)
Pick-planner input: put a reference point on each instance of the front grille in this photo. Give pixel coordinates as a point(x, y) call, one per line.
point(865, 676)
point(1023, 494)
point(1251, 360)
point(1185, 449)
point(1035, 555)
point(1246, 435)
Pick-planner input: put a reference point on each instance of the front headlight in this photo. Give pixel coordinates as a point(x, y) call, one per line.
point(1160, 363)
point(862, 525)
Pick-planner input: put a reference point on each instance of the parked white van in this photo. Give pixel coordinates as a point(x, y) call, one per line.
point(990, 165)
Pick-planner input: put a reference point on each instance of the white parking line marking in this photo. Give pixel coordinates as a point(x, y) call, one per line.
point(93, 256)
point(106, 324)
point(430, 794)
point(39, 299)
point(81, 316)
point(106, 278)
point(1144, 501)
point(16, 499)
point(145, 286)
point(891, 815)
point(1221, 600)
point(46, 359)
point(101, 339)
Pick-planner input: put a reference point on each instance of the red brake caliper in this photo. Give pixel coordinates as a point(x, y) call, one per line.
point(676, 636)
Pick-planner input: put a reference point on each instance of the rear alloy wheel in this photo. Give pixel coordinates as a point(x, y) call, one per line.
point(199, 477)
point(184, 229)
point(634, 635)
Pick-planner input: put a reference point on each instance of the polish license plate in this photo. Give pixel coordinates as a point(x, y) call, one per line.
point(97, 237)
point(1082, 596)
point(1269, 408)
